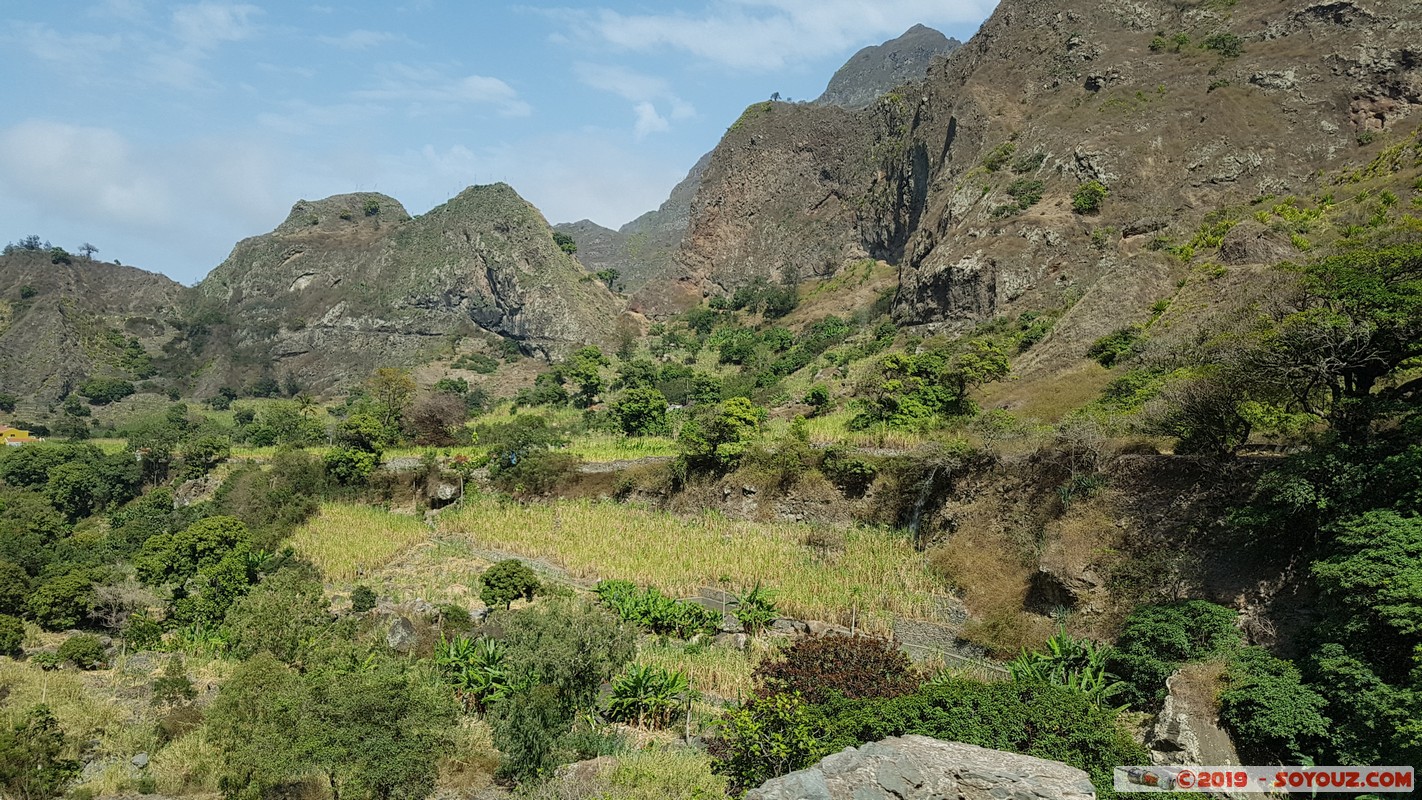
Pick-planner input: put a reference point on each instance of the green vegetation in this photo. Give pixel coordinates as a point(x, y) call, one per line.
point(1088, 197)
point(506, 582)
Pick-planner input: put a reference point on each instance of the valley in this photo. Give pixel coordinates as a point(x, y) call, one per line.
point(1055, 392)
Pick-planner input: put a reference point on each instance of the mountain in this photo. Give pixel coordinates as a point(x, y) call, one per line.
point(64, 319)
point(1178, 109)
point(645, 247)
point(878, 69)
point(353, 282)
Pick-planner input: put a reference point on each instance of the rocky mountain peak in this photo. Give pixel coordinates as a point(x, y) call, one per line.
point(368, 209)
point(878, 69)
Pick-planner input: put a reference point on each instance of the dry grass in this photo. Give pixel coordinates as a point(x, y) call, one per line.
point(718, 672)
point(437, 571)
point(347, 541)
point(1050, 397)
point(679, 555)
point(605, 447)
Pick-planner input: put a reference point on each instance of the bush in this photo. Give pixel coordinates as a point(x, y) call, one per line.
point(506, 582)
point(818, 398)
point(570, 645)
point(1157, 639)
point(853, 667)
point(349, 466)
point(12, 636)
point(142, 632)
point(14, 588)
point(1271, 715)
point(31, 762)
point(1226, 44)
point(1088, 197)
point(1115, 347)
point(1026, 192)
point(84, 651)
point(765, 738)
point(755, 610)
point(362, 598)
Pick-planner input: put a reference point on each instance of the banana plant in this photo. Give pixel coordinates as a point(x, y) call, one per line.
point(1077, 664)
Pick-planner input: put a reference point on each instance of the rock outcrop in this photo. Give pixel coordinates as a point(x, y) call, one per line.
point(920, 768)
point(943, 181)
point(878, 69)
point(1187, 730)
point(351, 282)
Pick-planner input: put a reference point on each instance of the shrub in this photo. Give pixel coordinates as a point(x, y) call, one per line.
point(1271, 715)
point(1157, 639)
point(506, 582)
point(853, 475)
point(349, 466)
point(12, 636)
point(31, 762)
point(818, 398)
point(1026, 192)
point(766, 737)
point(173, 686)
point(1115, 347)
point(142, 632)
point(84, 651)
point(853, 667)
point(1088, 197)
point(371, 207)
point(1076, 664)
point(526, 729)
point(362, 598)
point(1226, 44)
point(999, 156)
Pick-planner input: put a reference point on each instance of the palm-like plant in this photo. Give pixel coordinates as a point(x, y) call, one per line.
point(475, 669)
point(645, 692)
point(756, 609)
point(1077, 664)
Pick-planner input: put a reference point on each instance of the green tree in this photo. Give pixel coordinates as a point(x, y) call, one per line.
point(286, 615)
point(349, 466)
point(102, 391)
point(718, 439)
point(392, 390)
point(204, 544)
point(1376, 570)
point(818, 399)
point(567, 644)
point(506, 582)
point(527, 727)
point(584, 369)
point(63, 602)
point(32, 766)
point(84, 651)
point(1271, 715)
point(641, 412)
point(14, 588)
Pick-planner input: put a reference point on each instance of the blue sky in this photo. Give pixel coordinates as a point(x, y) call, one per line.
point(164, 132)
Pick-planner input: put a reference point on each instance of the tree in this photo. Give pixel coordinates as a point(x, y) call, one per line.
point(567, 644)
point(364, 432)
point(88, 250)
point(84, 651)
point(31, 762)
point(853, 667)
point(1376, 570)
point(391, 389)
point(506, 582)
point(583, 368)
point(14, 587)
point(818, 399)
point(565, 243)
point(12, 636)
point(286, 615)
point(641, 412)
point(609, 277)
point(349, 466)
point(102, 391)
point(1270, 713)
point(718, 440)
point(202, 545)
point(63, 602)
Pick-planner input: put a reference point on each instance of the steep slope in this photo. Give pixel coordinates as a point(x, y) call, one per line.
point(875, 70)
point(61, 323)
point(1177, 108)
point(351, 282)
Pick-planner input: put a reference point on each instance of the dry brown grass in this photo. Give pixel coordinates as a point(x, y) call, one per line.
point(1049, 397)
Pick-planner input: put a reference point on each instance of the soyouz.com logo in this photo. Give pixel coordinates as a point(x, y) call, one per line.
point(1267, 780)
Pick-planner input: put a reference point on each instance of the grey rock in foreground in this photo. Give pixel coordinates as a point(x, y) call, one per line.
point(921, 768)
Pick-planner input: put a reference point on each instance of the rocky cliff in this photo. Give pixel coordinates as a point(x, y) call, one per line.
point(920, 768)
point(877, 69)
point(1178, 109)
point(61, 323)
point(352, 282)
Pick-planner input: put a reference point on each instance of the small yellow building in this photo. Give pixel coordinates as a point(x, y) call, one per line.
point(14, 437)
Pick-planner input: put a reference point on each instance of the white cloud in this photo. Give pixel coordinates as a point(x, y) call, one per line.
point(360, 39)
point(642, 90)
point(91, 171)
point(765, 35)
point(203, 26)
point(649, 121)
point(423, 89)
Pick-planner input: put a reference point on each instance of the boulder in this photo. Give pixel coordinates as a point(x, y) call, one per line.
point(401, 636)
point(140, 761)
point(920, 768)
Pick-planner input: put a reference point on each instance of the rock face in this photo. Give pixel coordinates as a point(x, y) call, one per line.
point(62, 323)
point(876, 70)
point(351, 282)
point(1060, 93)
point(1187, 730)
point(920, 768)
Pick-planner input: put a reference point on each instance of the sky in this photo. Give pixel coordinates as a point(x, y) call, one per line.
point(163, 132)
